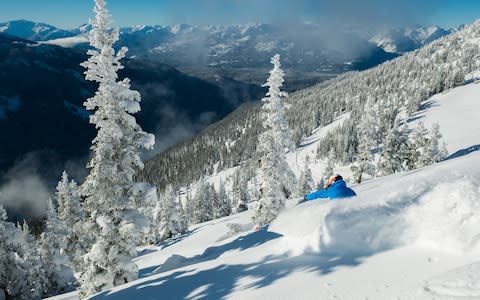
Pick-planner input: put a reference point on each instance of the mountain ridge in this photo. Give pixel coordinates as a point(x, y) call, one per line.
point(310, 52)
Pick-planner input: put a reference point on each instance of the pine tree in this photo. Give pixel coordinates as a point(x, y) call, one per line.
point(256, 189)
point(364, 161)
point(12, 275)
point(52, 251)
point(396, 151)
point(183, 215)
point(306, 180)
point(21, 272)
point(436, 152)
point(222, 205)
point(277, 175)
point(330, 164)
point(171, 223)
point(71, 214)
point(189, 206)
point(240, 192)
point(107, 189)
point(202, 209)
point(420, 146)
point(145, 199)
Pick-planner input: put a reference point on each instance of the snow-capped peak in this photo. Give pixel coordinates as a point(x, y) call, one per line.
point(401, 40)
point(33, 31)
point(181, 28)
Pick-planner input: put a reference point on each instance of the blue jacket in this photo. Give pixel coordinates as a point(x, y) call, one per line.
point(338, 189)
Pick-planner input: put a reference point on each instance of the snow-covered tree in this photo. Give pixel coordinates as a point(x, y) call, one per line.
point(171, 223)
point(11, 272)
point(202, 208)
point(364, 161)
point(420, 146)
point(278, 178)
point(396, 151)
point(68, 200)
point(256, 189)
point(112, 219)
point(330, 165)
point(52, 250)
point(222, 203)
point(437, 151)
point(189, 206)
point(427, 146)
point(240, 192)
point(35, 278)
point(21, 272)
point(305, 183)
point(71, 214)
point(145, 199)
point(183, 215)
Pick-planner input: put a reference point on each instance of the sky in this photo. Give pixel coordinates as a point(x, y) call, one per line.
point(72, 13)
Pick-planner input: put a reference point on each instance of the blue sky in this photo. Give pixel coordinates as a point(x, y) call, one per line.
point(72, 13)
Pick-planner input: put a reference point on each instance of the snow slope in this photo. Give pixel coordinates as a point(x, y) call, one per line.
point(412, 235)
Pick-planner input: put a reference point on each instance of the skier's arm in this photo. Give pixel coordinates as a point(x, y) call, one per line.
point(317, 194)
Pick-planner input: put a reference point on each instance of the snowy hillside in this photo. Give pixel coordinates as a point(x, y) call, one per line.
point(412, 235)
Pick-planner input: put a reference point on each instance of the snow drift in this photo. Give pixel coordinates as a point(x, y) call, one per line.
point(426, 210)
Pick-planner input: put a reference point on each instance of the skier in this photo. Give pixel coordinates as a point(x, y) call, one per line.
point(336, 188)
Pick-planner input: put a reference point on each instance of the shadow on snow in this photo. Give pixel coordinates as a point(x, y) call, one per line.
point(221, 281)
point(464, 152)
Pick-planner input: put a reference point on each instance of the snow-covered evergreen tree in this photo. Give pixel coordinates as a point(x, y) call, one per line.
point(111, 216)
point(437, 151)
point(330, 165)
point(427, 145)
point(145, 199)
point(183, 215)
point(240, 192)
point(420, 146)
point(21, 272)
point(222, 205)
point(52, 250)
point(364, 161)
point(171, 223)
point(35, 278)
point(202, 208)
point(12, 268)
point(278, 179)
point(189, 206)
point(256, 189)
point(396, 151)
point(71, 214)
point(305, 183)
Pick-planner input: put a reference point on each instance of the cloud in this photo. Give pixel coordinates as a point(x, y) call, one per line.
point(176, 127)
point(26, 187)
point(361, 13)
point(25, 196)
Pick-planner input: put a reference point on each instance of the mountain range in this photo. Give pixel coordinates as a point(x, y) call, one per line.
point(310, 53)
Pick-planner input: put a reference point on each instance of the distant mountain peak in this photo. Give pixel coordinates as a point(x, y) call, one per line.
point(33, 30)
point(402, 40)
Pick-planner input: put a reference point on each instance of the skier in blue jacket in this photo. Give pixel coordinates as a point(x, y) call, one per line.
point(336, 188)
